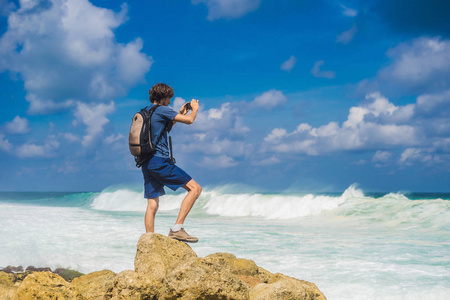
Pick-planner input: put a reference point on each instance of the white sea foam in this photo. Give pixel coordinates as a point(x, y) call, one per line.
point(129, 200)
point(352, 205)
point(352, 246)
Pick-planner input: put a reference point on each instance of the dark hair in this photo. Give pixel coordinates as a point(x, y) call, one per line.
point(160, 91)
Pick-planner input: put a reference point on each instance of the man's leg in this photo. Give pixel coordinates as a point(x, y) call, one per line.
point(194, 190)
point(152, 208)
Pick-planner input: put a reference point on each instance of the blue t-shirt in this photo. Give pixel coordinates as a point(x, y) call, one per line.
point(161, 116)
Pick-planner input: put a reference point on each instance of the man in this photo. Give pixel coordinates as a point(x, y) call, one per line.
point(159, 170)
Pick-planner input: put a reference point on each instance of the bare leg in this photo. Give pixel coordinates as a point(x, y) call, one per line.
point(152, 208)
point(194, 190)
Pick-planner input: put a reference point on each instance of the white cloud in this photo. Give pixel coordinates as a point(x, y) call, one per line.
point(276, 134)
point(381, 157)
point(424, 156)
point(319, 73)
point(18, 125)
point(29, 149)
point(269, 100)
point(289, 64)
point(66, 49)
point(347, 36)
point(222, 161)
point(420, 66)
point(70, 137)
point(228, 9)
point(374, 124)
point(218, 133)
point(94, 117)
point(434, 104)
point(5, 145)
point(114, 138)
point(178, 103)
point(349, 12)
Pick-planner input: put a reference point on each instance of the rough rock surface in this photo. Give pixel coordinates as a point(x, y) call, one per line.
point(7, 287)
point(286, 288)
point(203, 278)
point(155, 253)
point(94, 285)
point(46, 285)
point(131, 285)
point(166, 269)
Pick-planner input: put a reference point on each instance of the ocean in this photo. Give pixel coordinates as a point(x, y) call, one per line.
point(352, 245)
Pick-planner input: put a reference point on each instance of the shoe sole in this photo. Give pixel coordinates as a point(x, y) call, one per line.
point(183, 240)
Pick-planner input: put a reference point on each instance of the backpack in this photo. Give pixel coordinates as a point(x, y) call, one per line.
point(139, 139)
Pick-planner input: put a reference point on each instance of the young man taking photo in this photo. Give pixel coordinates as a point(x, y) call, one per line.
point(160, 170)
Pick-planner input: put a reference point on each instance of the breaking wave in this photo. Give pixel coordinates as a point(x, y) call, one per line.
point(390, 209)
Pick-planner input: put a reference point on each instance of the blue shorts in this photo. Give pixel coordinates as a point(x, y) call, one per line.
point(159, 172)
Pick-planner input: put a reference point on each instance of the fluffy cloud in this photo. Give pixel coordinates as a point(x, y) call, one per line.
point(319, 73)
point(94, 117)
point(268, 100)
point(289, 64)
point(218, 134)
point(30, 149)
point(419, 66)
point(18, 125)
point(228, 9)
point(221, 161)
point(382, 156)
point(5, 145)
point(375, 124)
point(66, 49)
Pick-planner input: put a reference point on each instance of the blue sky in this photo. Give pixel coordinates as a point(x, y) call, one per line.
point(295, 95)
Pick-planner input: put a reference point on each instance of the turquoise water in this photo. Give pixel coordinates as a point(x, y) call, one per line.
point(352, 245)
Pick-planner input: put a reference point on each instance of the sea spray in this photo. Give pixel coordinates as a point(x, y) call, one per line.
point(352, 205)
point(353, 245)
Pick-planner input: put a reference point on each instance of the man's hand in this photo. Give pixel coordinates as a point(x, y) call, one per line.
point(194, 105)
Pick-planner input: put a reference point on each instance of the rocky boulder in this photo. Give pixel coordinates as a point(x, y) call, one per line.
point(203, 278)
point(46, 285)
point(132, 285)
point(7, 287)
point(94, 285)
point(166, 269)
point(286, 288)
point(156, 253)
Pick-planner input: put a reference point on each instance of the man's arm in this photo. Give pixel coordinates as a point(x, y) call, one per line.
point(187, 119)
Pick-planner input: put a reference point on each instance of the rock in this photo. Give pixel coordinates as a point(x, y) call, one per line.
point(68, 274)
point(156, 253)
point(46, 285)
point(11, 269)
point(252, 281)
point(94, 285)
point(132, 285)
point(33, 269)
point(165, 269)
point(286, 288)
point(203, 278)
point(265, 276)
point(7, 287)
point(238, 266)
point(19, 277)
